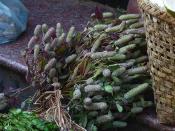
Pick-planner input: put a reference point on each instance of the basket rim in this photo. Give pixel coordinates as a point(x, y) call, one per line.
point(154, 10)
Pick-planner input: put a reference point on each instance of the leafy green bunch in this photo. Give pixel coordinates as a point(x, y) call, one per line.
point(18, 120)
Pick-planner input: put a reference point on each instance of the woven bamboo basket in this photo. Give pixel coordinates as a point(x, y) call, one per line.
point(160, 35)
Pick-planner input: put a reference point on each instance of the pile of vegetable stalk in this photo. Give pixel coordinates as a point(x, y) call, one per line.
point(96, 77)
point(113, 91)
point(50, 59)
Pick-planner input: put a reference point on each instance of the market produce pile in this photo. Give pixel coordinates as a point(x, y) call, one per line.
point(118, 56)
point(49, 57)
point(95, 78)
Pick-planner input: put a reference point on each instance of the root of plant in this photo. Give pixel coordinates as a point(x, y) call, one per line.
point(48, 105)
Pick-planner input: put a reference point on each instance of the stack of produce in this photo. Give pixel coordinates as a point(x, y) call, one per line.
point(102, 71)
point(112, 92)
point(53, 54)
point(50, 59)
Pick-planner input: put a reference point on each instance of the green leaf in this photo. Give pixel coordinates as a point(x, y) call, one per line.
point(78, 37)
point(21, 129)
point(94, 128)
point(113, 67)
point(91, 126)
point(108, 88)
point(83, 120)
point(97, 73)
point(119, 107)
point(109, 112)
point(15, 111)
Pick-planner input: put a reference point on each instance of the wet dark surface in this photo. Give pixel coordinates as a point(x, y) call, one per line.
point(150, 120)
point(115, 3)
point(10, 82)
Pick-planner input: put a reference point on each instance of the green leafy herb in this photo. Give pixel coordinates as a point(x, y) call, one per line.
point(18, 120)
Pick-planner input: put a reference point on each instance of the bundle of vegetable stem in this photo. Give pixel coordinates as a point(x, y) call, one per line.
point(95, 77)
point(112, 92)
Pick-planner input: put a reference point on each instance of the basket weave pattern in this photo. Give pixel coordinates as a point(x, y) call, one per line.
point(160, 34)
